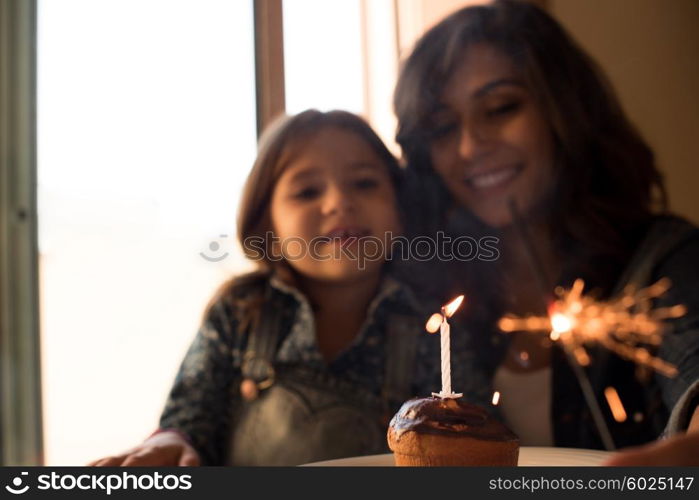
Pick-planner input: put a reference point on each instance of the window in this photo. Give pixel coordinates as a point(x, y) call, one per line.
point(146, 131)
point(343, 55)
point(323, 62)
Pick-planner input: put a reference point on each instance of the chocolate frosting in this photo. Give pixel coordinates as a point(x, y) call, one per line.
point(445, 416)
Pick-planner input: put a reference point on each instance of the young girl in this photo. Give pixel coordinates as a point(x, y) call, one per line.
point(307, 358)
point(497, 105)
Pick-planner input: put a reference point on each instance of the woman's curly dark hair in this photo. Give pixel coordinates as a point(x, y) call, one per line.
point(608, 185)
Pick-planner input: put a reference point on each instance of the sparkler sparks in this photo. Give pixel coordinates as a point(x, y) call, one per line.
point(614, 402)
point(496, 398)
point(623, 325)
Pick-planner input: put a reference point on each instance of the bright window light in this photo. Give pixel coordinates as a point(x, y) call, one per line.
point(146, 112)
point(323, 55)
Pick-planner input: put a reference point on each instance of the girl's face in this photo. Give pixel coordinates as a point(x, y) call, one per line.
point(334, 207)
point(490, 141)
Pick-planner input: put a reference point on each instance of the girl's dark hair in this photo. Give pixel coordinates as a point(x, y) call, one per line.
point(277, 147)
point(608, 185)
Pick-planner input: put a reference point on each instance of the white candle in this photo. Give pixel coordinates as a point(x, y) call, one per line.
point(444, 333)
point(445, 341)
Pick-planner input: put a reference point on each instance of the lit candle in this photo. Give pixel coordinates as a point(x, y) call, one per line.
point(445, 347)
point(445, 341)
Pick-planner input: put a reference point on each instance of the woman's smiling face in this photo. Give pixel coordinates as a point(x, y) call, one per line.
point(490, 141)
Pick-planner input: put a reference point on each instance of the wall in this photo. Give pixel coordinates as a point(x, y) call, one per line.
point(650, 49)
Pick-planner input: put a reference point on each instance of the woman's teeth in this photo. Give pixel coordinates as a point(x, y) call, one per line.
point(492, 179)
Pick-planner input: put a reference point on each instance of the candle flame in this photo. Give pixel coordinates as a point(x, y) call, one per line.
point(433, 323)
point(496, 398)
point(615, 404)
point(452, 306)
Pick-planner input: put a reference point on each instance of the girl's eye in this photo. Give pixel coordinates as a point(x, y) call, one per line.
point(366, 183)
point(308, 193)
point(503, 110)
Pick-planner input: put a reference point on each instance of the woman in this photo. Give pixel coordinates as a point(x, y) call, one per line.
point(508, 127)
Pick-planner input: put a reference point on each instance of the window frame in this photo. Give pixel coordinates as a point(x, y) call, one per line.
point(21, 439)
point(269, 61)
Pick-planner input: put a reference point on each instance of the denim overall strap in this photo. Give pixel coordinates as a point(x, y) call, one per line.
point(264, 335)
point(401, 347)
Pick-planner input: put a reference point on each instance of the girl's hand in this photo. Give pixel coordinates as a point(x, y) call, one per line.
point(163, 449)
point(677, 450)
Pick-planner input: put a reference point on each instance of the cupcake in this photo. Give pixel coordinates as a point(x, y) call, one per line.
point(447, 432)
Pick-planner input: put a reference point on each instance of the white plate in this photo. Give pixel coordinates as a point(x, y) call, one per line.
point(528, 456)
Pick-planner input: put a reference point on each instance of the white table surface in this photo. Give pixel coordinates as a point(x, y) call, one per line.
point(528, 456)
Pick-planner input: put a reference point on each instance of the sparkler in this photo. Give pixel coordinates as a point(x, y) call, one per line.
point(623, 325)
point(576, 321)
